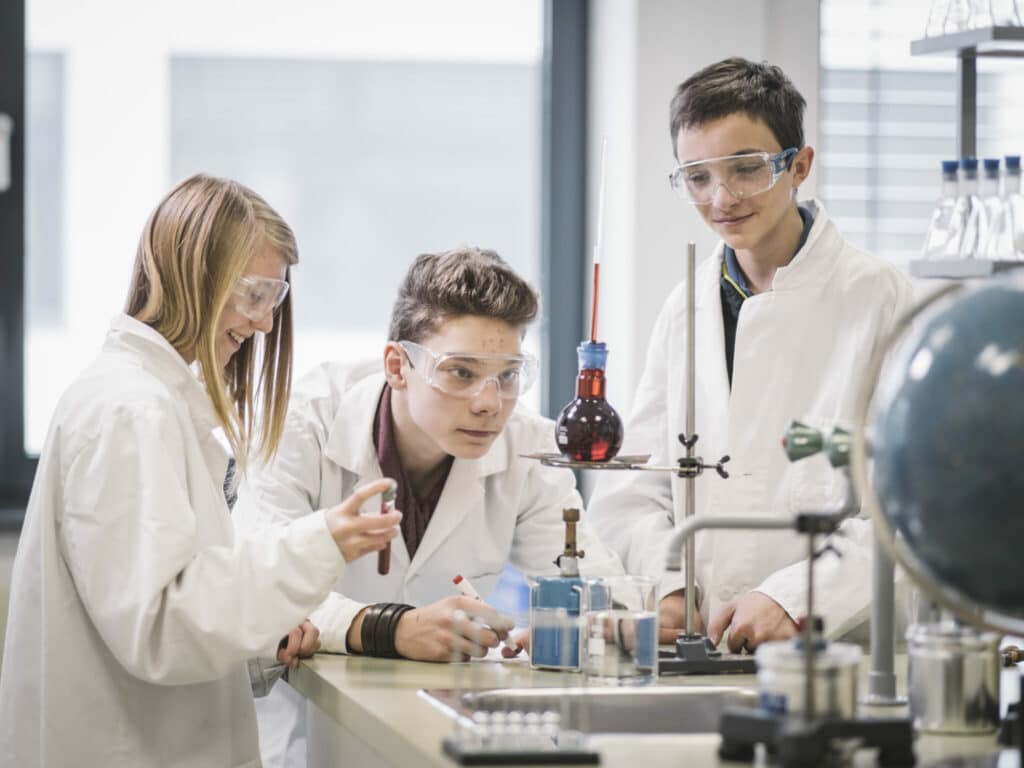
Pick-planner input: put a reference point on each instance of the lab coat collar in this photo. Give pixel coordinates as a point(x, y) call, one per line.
point(812, 264)
point(156, 354)
point(816, 260)
point(350, 441)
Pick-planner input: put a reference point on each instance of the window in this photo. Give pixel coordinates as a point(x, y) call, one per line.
point(379, 130)
point(888, 119)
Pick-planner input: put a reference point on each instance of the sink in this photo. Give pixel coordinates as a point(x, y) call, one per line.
point(656, 709)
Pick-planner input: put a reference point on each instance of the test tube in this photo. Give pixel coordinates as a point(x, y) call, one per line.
point(387, 505)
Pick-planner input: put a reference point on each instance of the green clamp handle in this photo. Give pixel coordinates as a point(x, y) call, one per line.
point(801, 441)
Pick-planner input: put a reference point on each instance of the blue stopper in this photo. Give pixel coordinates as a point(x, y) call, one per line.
point(1012, 161)
point(991, 166)
point(969, 163)
point(950, 166)
point(592, 355)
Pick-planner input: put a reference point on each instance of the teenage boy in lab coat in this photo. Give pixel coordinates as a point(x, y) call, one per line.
point(787, 316)
point(439, 416)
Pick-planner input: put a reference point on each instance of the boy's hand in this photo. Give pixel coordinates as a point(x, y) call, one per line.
point(672, 617)
point(356, 535)
point(751, 619)
point(301, 643)
point(433, 633)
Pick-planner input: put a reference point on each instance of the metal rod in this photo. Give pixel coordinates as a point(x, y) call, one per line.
point(685, 532)
point(691, 482)
point(809, 634)
point(882, 677)
point(967, 102)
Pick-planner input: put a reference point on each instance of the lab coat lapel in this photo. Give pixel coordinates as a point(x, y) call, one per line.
point(350, 446)
point(463, 494)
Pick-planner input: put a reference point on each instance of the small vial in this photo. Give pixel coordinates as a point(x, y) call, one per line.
point(387, 505)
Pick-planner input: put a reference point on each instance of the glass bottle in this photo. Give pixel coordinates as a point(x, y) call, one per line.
point(936, 18)
point(588, 428)
point(1013, 197)
point(1004, 13)
point(958, 17)
point(999, 245)
point(940, 230)
point(970, 212)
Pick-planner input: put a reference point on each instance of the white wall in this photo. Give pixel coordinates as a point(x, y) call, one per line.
point(640, 50)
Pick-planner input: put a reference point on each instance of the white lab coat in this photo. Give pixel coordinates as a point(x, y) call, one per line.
point(134, 606)
point(800, 352)
point(493, 510)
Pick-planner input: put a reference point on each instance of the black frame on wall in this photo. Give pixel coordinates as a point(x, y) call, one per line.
point(562, 230)
point(16, 468)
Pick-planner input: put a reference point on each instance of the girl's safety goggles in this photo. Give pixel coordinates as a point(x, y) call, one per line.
point(256, 296)
point(742, 175)
point(465, 375)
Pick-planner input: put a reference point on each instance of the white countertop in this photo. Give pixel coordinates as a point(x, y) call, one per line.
point(378, 700)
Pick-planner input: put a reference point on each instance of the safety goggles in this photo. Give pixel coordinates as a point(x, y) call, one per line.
point(465, 375)
point(742, 175)
point(256, 296)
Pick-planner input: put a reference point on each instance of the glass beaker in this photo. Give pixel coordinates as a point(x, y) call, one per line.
point(621, 625)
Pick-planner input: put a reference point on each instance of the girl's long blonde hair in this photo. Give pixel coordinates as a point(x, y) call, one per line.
point(193, 249)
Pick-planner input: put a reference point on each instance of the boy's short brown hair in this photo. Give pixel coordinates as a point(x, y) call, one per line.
point(465, 281)
point(758, 90)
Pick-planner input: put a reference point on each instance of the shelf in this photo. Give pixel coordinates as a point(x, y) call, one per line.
point(987, 41)
point(958, 269)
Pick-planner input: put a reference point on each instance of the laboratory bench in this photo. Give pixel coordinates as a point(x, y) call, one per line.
point(369, 712)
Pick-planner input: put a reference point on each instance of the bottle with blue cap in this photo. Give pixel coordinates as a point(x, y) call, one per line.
point(1014, 202)
point(588, 428)
point(999, 244)
point(937, 243)
point(969, 214)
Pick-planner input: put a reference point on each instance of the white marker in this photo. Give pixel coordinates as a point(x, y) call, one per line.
point(465, 588)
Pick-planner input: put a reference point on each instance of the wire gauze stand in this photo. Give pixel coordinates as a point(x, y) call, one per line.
point(694, 653)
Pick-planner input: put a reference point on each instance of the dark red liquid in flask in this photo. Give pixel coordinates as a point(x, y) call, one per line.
point(588, 428)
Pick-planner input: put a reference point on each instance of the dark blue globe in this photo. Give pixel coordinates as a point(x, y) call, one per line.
point(949, 443)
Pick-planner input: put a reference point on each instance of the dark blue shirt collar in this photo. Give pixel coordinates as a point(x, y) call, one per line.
point(732, 265)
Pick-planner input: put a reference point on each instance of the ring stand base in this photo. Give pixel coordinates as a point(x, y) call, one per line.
point(474, 755)
point(695, 655)
point(794, 743)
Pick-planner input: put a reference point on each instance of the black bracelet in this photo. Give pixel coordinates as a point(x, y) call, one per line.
point(380, 622)
point(393, 628)
point(367, 632)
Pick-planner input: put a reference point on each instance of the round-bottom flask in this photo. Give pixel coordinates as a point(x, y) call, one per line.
point(588, 428)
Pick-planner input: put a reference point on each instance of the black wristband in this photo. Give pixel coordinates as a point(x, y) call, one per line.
point(393, 628)
point(380, 622)
point(367, 632)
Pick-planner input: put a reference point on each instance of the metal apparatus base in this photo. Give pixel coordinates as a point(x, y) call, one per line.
point(464, 755)
point(797, 743)
point(695, 655)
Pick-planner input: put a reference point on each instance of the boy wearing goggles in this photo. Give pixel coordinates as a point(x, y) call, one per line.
point(787, 316)
point(441, 417)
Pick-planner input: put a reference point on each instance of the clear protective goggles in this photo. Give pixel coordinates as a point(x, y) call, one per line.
point(743, 175)
point(256, 296)
point(464, 375)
